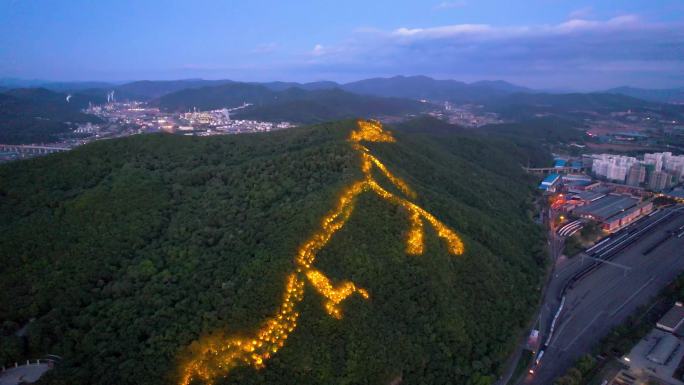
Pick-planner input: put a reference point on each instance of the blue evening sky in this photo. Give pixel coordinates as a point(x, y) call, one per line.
point(538, 43)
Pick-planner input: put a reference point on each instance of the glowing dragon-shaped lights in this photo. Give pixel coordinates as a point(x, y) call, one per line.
point(214, 356)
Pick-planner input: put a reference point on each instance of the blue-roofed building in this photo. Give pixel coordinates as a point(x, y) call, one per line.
point(550, 183)
point(559, 163)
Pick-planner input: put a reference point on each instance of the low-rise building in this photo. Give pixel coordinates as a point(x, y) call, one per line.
point(626, 217)
point(550, 183)
point(612, 211)
point(657, 358)
point(606, 207)
point(673, 319)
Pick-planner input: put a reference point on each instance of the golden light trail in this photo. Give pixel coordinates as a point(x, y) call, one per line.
point(215, 356)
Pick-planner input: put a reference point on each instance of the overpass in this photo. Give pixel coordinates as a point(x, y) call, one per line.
point(549, 170)
point(25, 374)
point(30, 149)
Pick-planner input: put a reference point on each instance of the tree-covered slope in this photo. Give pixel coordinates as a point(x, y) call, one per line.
point(126, 251)
point(537, 137)
point(296, 105)
point(215, 97)
point(292, 104)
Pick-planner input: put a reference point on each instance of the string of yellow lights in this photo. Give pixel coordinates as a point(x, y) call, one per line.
point(215, 356)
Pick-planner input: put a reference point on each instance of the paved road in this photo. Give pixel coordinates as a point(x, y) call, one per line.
point(555, 247)
point(607, 296)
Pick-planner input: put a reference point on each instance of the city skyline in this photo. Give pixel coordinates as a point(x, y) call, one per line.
point(544, 44)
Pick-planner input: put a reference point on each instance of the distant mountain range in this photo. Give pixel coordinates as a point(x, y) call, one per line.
point(670, 95)
point(67, 86)
point(214, 97)
point(312, 86)
point(423, 87)
point(149, 89)
point(407, 87)
point(527, 105)
point(410, 87)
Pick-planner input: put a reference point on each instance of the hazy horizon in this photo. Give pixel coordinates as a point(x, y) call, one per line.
point(580, 45)
point(37, 82)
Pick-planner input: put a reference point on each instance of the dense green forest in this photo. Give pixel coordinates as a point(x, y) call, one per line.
point(215, 97)
point(296, 105)
point(537, 138)
point(534, 139)
point(126, 251)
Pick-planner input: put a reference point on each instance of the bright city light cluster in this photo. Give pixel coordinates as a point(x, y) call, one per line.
point(217, 355)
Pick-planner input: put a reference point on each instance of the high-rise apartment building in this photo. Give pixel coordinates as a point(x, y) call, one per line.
point(636, 175)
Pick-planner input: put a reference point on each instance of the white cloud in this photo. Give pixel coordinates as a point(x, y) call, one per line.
point(582, 13)
point(318, 50)
point(574, 49)
point(486, 31)
point(619, 22)
point(450, 5)
point(437, 32)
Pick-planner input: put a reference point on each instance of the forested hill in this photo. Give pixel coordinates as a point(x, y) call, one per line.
point(126, 251)
point(316, 106)
point(292, 104)
point(34, 115)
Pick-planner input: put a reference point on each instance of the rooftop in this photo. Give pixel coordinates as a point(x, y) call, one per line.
point(607, 206)
point(663, 349)
point(656, 355)
point(590, 195)
point(575, 182)
point(577, 177)
point(559, 163)
point(551, 178)
point(626, 213)
point(673, 318)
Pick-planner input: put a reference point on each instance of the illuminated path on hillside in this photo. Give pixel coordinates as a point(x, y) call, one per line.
point(217, 355)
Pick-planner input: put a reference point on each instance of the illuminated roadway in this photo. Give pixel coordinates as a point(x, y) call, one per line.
point(608, 295)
